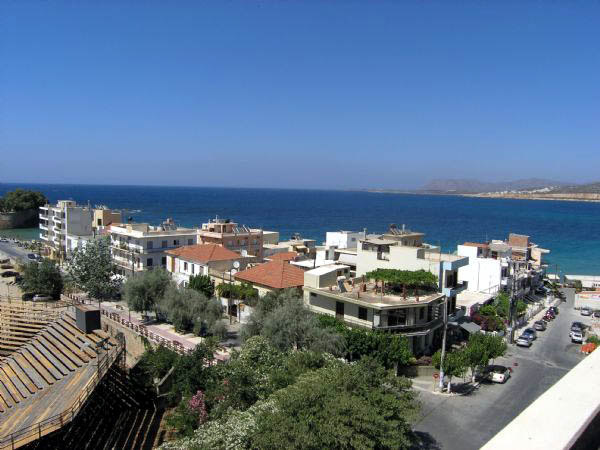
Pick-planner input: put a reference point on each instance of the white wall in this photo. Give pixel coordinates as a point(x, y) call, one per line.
point(342, 240)
point(481, 274)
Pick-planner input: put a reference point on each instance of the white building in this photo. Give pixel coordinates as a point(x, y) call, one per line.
point(136, 247)
point(62, 225)
point(587, 281)
point(201, 259)
point(343, 239)
point(405, 250)
point(329, 290)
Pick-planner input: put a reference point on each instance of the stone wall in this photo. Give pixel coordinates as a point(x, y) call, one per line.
point(21, 219)
point(135, 345)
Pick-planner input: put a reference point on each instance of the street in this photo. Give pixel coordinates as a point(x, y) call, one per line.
point(10, 250)
point(469, 421)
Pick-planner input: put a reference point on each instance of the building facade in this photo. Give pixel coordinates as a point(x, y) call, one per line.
point(62, 225)
point(242, 239)
point(136, 247)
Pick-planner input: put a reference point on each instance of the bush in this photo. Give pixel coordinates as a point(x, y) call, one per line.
point(21, 200)
point(42, 278)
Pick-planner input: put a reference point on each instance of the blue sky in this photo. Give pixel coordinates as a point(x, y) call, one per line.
point(298, 94)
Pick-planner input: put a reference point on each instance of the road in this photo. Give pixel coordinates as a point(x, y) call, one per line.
point(10, 250)
point(469, 421)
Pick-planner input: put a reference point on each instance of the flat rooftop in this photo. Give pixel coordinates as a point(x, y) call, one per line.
point(372, 298)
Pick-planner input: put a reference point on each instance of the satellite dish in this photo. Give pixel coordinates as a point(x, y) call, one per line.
point(236, 264)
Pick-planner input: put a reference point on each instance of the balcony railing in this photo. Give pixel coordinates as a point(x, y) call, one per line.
point(414, 327)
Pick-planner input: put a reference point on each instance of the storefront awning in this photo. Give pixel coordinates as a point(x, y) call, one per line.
point(470, 327)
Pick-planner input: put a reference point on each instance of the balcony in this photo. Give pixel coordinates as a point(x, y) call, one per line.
point(43, 227)
point(56, 219)
point(43, 237)
point(421, 328)
point(453, 291)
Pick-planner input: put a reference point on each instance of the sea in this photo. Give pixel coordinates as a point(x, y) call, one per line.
point(569, 229)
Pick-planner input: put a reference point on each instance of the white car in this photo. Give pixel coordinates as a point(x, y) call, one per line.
point(42, 298)
point(585, 311)
point(576, 336)
point(498, 374)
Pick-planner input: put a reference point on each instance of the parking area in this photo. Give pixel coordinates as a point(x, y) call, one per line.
point(469, 421)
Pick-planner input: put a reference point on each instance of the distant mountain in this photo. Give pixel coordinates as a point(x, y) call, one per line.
point(460, 186)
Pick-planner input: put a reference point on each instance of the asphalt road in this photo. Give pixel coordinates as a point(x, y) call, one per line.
point(469, 421)
point(11, 250)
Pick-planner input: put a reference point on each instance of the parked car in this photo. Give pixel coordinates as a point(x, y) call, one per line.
point(550, 314)
point(41, 298)
point(585, 311)
point(530, 333)
point(31, 256)
point(27, 296)
point(541, 291)
point(496, 373)
point(524, 341)
point(576, 336)
point(597, 314)
point(554, 309)
point(540, 325)
point(577, 326)
point(9, 273)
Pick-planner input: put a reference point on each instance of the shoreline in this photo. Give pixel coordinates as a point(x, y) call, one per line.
point(574, 198)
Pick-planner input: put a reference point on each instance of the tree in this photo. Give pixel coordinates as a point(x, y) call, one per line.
point(43, 278)
point(91, 267)
point(144, 292)
point(339, 406)
point(289, 325)
point(22, 200)
point(189, 310)
point(455, 364)
point(390, 349)
point(202, 284)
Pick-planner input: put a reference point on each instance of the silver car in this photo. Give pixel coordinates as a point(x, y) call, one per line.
point(524, 341)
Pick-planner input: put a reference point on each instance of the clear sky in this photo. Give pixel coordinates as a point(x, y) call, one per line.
point(298, 93)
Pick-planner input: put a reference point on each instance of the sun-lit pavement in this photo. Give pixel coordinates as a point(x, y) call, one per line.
point(469, 421)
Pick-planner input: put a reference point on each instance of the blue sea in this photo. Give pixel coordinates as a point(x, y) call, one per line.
point(571, 230)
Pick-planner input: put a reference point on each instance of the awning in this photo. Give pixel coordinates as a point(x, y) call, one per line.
point(470, 327)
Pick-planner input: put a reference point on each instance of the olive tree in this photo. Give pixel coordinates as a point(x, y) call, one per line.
point(145, 291)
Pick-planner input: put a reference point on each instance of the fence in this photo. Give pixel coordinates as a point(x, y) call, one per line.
point(36, 431)
point(142, 330)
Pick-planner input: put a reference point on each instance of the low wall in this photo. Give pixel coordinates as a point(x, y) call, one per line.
point(135, 345)
point(20, 219)
point(417, 371)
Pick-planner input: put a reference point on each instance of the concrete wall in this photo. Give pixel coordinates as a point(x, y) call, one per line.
point(134, 343)
point(481, 274)
point(20, 219)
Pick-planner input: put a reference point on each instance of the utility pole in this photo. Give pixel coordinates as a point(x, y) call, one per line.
point(512, 302)
point(443, 344)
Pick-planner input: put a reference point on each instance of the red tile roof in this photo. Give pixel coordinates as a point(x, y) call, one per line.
point(285, 256)
point(203, 253)
point(274, 274)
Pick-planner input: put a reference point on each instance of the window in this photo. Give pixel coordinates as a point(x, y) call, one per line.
point(421, 313)
point(353, 239)
point(163, 261)
point(362, 313)
point(175, 242)
point(164, 244)
point(190, 241)
point(149, 262)
point(192, 269)
point(185, 267)
point(150, 245)
point(99, 222)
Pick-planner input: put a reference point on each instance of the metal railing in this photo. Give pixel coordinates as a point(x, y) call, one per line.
point(36, 431)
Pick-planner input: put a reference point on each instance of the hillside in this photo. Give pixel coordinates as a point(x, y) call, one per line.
point(470, 186)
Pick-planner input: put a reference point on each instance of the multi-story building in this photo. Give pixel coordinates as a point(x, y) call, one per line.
point(344, 239)
point(242, 239)
point(328, 290)
point(136, 247)
point(512, 265)
point(404, 250)
point(67, 226)
point(62, 225)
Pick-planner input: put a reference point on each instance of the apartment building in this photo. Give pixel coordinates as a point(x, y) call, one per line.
point(494, 266)
point(329, 290)
point(403, 249)
point(136, 247)
point(63, 225)
point(239, 238)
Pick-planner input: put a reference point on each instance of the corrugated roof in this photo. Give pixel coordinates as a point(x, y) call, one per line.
point(203, 253)
point(274, 274)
